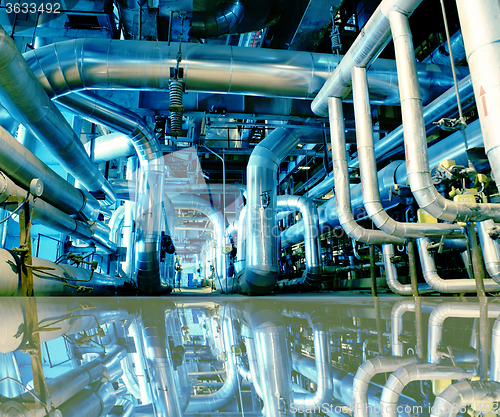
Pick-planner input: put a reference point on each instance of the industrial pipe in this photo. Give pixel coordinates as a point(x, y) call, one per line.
point(490, 248)
point(111, 146)
point(495, 352)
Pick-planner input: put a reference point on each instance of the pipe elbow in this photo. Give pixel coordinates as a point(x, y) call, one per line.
point(257, 282)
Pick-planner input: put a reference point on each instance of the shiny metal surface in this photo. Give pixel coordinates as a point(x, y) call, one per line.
point(417, 162)
point(262, 232)
point(495, 352)
point(490, 248)
point(28, 102)
point(110, 146)
point(222, 21)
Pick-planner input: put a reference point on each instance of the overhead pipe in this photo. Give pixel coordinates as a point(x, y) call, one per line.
point(391, 275)
point(57, 279)
point(151, 179)
point(406, 374)
point(444, 311)
point(372, 40)
point(262, 269)
point(90, 402)
point(482, 47)
point(429, 271)
point(366, 372)
point(324, 384)
point(441, 55)
point(417, 163)
point(114, 64)
point(222, 21)
point(28, 102)
point(112, 146)
point(51, 217)
point(342, 186)
point(214, 214)
point(22, 166)
point(456, 396)
point(368, 171)
point(229, 389)
point(312, 247)
point(490, 248)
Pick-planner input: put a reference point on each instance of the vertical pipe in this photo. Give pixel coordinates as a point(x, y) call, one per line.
point(484, 340)
point(412, 266)
point(373, 272)
point(477, 259)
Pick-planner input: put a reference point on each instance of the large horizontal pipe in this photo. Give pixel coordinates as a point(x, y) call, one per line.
point(113, 64)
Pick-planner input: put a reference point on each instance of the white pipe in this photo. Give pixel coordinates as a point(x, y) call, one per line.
point(495, 352)
point(491, 249)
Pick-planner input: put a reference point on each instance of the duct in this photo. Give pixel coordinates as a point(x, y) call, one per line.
point(214, 214)
point(55, 219)
point(57, 279)
point(90, 403)
point(161, 376)
point(273, 355)
point(227, 393)
point(324, 390)
point(27, 101)
point(366, 372)
point(391, 275)
point(432, 278)
point(152, 173)
point(341, 176)
point(262, 244)
point(417, 163)
point(495, 352)
point(399, 379)
point(222, 21)
point(482, 48)
point(368, 45)
point(441, 313)
point(22, 166)
point(108, 147)
point(456, 396)
point(491, 250)
point(112, 64)
point(312, 247)
point(441, 54)
point(368, 171)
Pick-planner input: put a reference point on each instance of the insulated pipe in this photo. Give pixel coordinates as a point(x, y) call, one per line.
point(159, 359)
point(90, 403)
point(368, 45)
point(151, 180)
point(55, 219)
point(456, 396)
point(451, 309)
point(417, 162)
point(391, 275)
point(366, 372)
point(262, 269)
point(247, 336)
point(240, 263)
point(214, 214)
point(312, 247)
point(57, 279)
point(114, 64)
point(441, 55)
point(22, 166)
point(28, 102)
point(227, 393)
point(324, 389)
point(116, 224)
point(342, 186)
point(222, 21)
point(368, 171)
point(112, 146)
point(483, 56)
point(400, 378)
point(491, 250)
point(432, 278)
point(495, 352)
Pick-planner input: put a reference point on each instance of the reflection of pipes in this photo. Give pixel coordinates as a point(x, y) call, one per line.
point(262, 233)
point(253, 366)
point(432, 278)
point(366, 372)
point(27, 101)
point(391, 275)
point(441, 313)
point(342, 187)
point(312, 247)
point(456, 396)
point(416, 372)
point(324, 390)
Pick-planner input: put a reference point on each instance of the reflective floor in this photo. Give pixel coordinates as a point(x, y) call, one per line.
point(330, 356)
